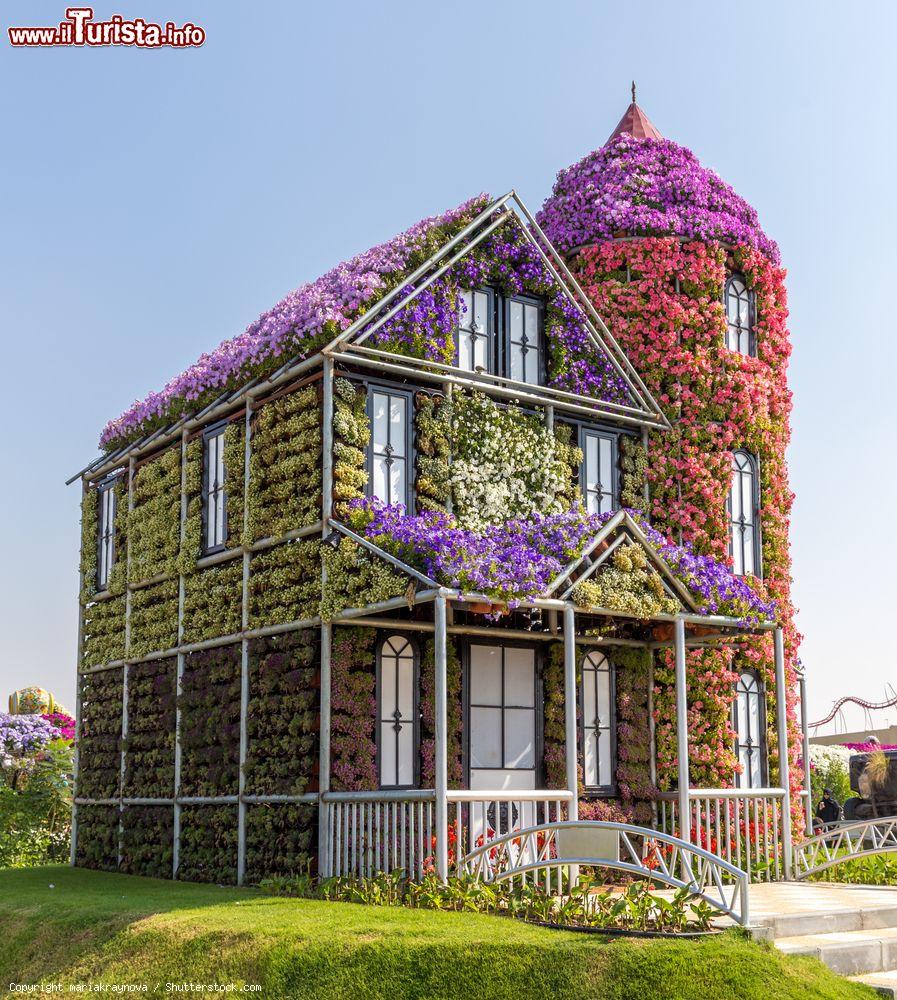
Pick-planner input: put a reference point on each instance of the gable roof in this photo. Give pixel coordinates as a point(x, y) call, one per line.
point(347, 305)
point(621, 528)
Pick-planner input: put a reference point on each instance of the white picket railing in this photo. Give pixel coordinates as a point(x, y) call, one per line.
point(741, 825)
point(370, 832)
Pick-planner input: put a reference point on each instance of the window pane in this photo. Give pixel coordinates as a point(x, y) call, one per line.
point(590, 758)
point(748, 545)
point(605, 777)
point(387, 754)
point(589, 699)
point(485, 737)
point(465, 309)
point(520, 677)
point(396, 481)
point(380, 410)
point(406, 687)
point(520, 737)
point(481, 312)
point(380, 479)
point(406, 755)
point(485, 675)
point(397, 424)
point(516, 321)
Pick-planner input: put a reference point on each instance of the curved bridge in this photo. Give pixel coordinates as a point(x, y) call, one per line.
point(845, 843)
point(636, 850)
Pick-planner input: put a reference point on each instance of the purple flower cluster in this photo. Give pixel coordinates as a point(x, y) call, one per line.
point(647, 187)
point(518, 559)
point(24, 734)
point(299, 323)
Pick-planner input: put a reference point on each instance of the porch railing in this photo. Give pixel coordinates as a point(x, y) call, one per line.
point(743, 826)
point(370, 832)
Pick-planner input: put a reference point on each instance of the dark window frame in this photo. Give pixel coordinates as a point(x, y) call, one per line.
point(216, 430)
point(740, 331)
point(106, 532)
point(491, 332)
point(584, 430)
point(410, 459)
point(761, 745)
point(538, 769)
point(608, 790)
point(541, 348)
point(756, 510)
point(382, 638)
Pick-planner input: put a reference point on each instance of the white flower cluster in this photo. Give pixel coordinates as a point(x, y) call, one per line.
point(505, 464)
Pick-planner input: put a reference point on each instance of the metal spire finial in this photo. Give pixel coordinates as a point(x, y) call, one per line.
point(633, 91)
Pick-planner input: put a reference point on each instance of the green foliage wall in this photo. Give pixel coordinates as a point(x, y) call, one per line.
point(285, 583)
point(433, 446)
point(154, 524)
point(149, 748)
point(99, 744)
point(97, 837)
point(454, 713)
point(154, 618)
point(353, 747)
point(104, 631)
point(213, 601)
point(285, 471)
point(147, 841)
point(355, 578)
point(208, 850)
point(281, 839)
point(351, 434)
point(626, 583)
point(210, 722)
point(282, 718)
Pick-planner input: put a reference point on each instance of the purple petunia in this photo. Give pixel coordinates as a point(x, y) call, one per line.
point(647, 187)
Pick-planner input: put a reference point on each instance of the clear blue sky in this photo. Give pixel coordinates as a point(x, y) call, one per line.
point(155, 202)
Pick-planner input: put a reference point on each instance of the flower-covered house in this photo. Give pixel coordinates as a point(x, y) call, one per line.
point(486, 529)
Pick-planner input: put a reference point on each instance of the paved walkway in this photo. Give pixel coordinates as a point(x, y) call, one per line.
point(773, 899)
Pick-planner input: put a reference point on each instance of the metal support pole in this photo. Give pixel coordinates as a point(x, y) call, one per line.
point(73, 852)
point(570, 708)
point(782, 730)
point(646, 486)
point(682, 741)
point(244, 655)
point(324, 859)
point(652, 736)
point(441, 739)
point(804, 728)
point(179, 677)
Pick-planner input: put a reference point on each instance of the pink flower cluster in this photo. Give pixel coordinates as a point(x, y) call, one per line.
point(298, 324)
point(647, 187)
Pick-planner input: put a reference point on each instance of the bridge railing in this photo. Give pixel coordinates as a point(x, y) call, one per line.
point(845, 842)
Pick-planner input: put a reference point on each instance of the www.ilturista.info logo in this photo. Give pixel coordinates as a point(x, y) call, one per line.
point(79, 28)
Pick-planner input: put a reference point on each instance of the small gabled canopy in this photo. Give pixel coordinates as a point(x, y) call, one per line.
point(620, 529)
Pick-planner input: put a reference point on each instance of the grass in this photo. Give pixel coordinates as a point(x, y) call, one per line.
point(106, 928)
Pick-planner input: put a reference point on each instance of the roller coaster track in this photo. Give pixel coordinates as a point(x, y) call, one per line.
point(868, 706)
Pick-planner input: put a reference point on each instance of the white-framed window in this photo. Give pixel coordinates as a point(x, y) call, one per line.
point(475, 336)
point(389, 452)
point(744, 515)
point(397, 737)
point(598, 720)
point(502, 706)
point(214, 495)
point(739, 300)
point(598, 475)
point(525, 361)
point(107, 510)
point(749, 713)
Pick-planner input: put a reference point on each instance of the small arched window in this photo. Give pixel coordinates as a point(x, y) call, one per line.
point(739, 301)
point(750, 726)
point(598, 721)
point(744, 515)
point(397, 735)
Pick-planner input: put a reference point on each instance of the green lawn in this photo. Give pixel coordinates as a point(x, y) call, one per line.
point(97, 927)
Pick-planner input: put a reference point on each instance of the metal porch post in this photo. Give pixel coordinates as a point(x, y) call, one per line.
point(682, 741)
point(782, 731)
point(808, 798)
point(570, 708)
point(441, 739)
point(324, 859)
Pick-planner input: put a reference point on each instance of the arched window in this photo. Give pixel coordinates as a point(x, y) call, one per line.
point(744, 510)
point(739, 301)
point(397, 713)
point(597, 721)
point(750, 726)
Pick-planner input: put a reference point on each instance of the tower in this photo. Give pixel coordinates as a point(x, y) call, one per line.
point(678, 266)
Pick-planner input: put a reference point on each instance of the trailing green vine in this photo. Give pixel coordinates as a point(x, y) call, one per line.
point(155, 521)
point(433, 445)
point(97, 845)
point(147, 841)
point(633, 472)
point(104, 631)
point(208, 849)
point(281, 839)
point(353, 706)
point(212, 602)
point(149, 747)
point(99, 741)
